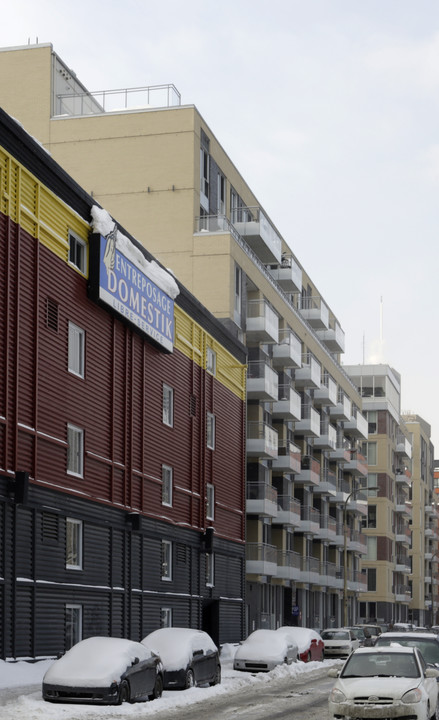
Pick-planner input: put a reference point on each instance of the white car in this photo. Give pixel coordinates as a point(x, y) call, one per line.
point(384, 682)
point(264, 650)
point(339, 642)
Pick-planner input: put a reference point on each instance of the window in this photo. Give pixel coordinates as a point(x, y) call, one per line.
point(211, 361)
point(73, 625)
point(210, 579)
point(77, 252)
point(221, 200)
point(210, 431)
point(371, 453)
point(73, 544)
point(204, 178)
point(372, 482)
point(210, 501)
point(76, 350)
point(238, 296)
point(75, 451)
point(371, 516)
point(166, 560)
point(372, 422)
point(371, 579)
point(168, 405)
point(166, 485)
point(165, 617)
point(371, 548)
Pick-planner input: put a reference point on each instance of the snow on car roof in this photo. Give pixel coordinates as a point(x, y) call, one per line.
point(176, 645)
point(95, 662)
point(301, 635)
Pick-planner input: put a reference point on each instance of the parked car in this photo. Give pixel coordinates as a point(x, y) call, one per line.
point(189, 657)
point(403, 627)
point(427, 643)
point(384, 682)
point(309, 642)
point(263, 650)
point(104, 670)
point(339, 642)
point(374, 630)
point(363, 635)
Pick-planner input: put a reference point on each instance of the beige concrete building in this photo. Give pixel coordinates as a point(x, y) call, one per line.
point(162, 172)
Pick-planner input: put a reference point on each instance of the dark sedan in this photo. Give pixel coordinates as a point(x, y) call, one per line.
point(106, 671)
point(189, 657)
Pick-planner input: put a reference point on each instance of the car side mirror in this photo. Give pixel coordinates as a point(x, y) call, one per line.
point(135, 661)
point(431, 672)
point(333, 672)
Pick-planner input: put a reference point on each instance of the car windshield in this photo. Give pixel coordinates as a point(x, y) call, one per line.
point(381, 665)
point(428, 648)
point(335, 635)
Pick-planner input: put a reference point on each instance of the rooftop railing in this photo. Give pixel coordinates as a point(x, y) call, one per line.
point(122, 100)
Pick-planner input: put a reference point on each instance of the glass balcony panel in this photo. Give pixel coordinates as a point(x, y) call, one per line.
point(262, 324)
point(261, 559)
point(260, 234)
point(288, 352)
point(288, 405)
point(314, 310)
point(288, 274)
point(262, 440)
point(261, 499)
point(262, 381)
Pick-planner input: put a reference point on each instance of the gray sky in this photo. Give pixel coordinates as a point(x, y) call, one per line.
point(329, 109)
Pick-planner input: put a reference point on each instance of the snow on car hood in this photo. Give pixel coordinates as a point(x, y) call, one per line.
point(95, 662)
point(176, 645)
point(393, 687)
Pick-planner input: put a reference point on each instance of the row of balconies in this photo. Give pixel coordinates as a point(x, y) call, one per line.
point(264, 559)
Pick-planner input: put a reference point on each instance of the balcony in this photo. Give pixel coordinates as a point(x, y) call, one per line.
point(261, 559)
point(288, 511)
point(262, 440)
point(403, 446)
point(314, 310)
point(331, 575)
point(288, 274)
point(403, 536)
point(403, 564)
point(327, 439)
point(288, 458)
point(405, 508)
point(261, 499)
point(288, 565)
point(309, 520)
point(309, 425)
point(357, 425)
point(357, 465)
point(309, 472)
point(310, 570)
point(341, 455)
point(288, 405)
point(402, 593)
point(333, 338)
point(328, 528)
point(288, 352)
point(309, 375)
point(339, 535)
point(343, 409)
point(327, 393)
point(403, 477)
point(357, 542)
point(357, 504)
point(253, 225)
point(262, 323)
point(328, 483)
point(262, 381)
point(342, 491)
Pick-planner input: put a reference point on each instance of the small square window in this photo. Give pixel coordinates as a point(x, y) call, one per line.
point(168, 405)
point(166, 560)
point(167, 485)
point(210, 578)
point(76, 350)
point(73, 544)
point(211, 431)
point(75, 451)
point(210, 502)
point(211, 361)
point(77, 252)
point(73, 625)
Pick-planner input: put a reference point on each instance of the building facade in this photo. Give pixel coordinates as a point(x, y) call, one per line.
point(122, 428)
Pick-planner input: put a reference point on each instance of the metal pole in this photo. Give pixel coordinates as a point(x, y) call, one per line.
point(345, 561)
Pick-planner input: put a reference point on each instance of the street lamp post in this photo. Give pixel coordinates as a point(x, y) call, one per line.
point(345, 555)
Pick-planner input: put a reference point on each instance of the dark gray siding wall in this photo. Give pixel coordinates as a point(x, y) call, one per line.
point(119, 588)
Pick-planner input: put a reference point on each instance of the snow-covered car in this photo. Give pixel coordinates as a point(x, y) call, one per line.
point(339, 642)
point(309, 642)
point(384, 682)
point(189, 657)
point(105, 671)
point(263, 650)
point(427, 643)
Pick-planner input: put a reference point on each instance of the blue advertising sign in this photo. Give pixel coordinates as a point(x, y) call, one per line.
point(127, 289)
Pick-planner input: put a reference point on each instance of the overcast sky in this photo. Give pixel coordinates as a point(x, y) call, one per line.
point(329, 109)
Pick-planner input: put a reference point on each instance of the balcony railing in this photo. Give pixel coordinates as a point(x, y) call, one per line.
point(261, 499)
point(122, 100)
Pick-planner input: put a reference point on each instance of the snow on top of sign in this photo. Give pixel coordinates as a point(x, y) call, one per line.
point(103, 223)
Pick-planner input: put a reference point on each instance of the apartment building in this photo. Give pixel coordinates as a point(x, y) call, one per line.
point(400, 526)
point(122, 428)
point(162, 172)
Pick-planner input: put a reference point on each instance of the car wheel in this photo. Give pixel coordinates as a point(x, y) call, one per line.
point(158, 688)
point(124, 693)
point(217, 679)
point(189, 679)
